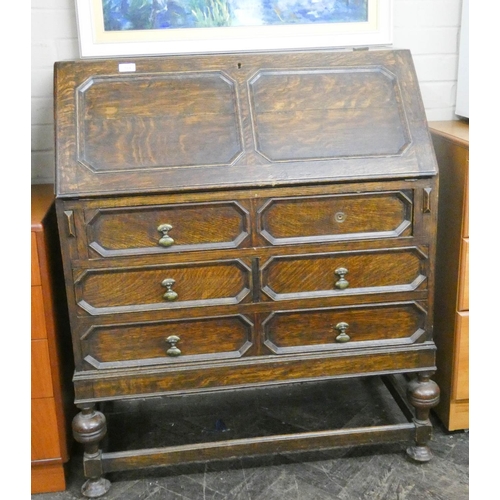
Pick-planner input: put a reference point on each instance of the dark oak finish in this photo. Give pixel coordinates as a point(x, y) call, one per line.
point(119, 461)
point(350, 273)
point(324, 218)
point(239, 220)
point(127, 345)
point(344, 327)
point(198, 226)
point(139, 288)
point(248, 119)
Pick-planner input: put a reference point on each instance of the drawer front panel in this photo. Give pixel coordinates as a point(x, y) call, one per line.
point(134, 289)
point(463, 279)
point(168, 228)
point(342, 328)
point(35, 262)
point(461, 382)
point(176, 341)
point(340, 217)
point(465, 224)
point(45, 443)
point(41, 378)
point(329, 274)
point(38, 325)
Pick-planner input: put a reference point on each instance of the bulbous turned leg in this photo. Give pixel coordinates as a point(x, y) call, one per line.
point(423, 394)
point(89, 427)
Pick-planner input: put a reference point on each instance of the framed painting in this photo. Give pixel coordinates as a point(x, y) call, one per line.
point(146, 27)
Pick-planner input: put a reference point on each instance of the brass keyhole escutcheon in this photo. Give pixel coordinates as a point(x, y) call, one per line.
point(169, 295)
point(166, 240)
point(173, 350)
point(342, 283)
point(342, 336)
point(340, 217)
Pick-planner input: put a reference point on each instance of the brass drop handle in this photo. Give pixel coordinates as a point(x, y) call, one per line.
point(342, 283)
point(173, 350)
point(165, 240)
point(169, 295)
point(342, 336)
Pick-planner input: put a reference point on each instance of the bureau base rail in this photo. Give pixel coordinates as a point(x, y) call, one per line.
point(172, 455)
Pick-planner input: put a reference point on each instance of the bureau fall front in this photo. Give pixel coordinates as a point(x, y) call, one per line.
point(245, 220)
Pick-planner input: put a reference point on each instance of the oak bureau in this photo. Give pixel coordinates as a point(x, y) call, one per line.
point(248, 219)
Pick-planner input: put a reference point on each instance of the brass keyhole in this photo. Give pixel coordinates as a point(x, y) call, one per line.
point(340, 216)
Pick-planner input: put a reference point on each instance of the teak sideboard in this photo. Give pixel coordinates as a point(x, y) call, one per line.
point(451, 143)
point(51, 395)
point(238, 220)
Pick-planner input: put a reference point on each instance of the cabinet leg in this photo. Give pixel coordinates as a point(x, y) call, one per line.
point(423, 394)
point(89, 427)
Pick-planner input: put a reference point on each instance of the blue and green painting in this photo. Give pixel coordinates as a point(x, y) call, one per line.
point(122, 15)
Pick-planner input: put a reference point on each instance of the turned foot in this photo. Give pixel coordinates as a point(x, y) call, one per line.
point(97, 487)
point(423, 394)
point(89, 427)
point(419, 453)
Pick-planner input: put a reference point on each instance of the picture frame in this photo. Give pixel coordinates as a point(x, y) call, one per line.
point(100, 38)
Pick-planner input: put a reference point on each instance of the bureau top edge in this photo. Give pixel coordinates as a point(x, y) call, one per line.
point(216, 121)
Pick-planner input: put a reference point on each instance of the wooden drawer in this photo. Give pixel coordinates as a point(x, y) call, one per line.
point(35, 266)
point(166, 228)
point(465, 223)
point(47, 477)
point(461, 386)
point(463, 279)
point(38, 325)
point(141, 288)
point(344, 328)
point(341, 273)
point(166, 342)
point(41, 379)
point(336, 218)
point(45, 439)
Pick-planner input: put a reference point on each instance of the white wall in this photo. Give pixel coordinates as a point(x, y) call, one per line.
point(429, 28)
point(53, 38)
